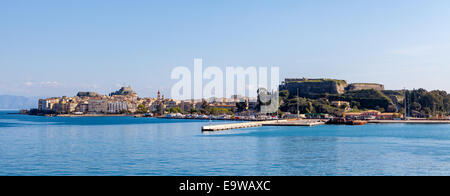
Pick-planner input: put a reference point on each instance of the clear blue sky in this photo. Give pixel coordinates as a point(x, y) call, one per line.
point(53, 48)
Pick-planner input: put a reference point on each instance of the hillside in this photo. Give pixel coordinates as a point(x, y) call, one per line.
point(17, 102)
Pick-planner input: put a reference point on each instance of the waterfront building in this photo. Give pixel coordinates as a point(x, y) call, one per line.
point(172, 103)
point(154, 106)
point(48, 104)
point(147, 102)
point(223, 106)
point(186, 105)
point(196, 103)
point(132, 106)
point(59, 107)
point(97, 106)
point(353, 115)
point(71, 106)
point(371, 113)
point(389, 116)
point(229, 101)
point(82, 107)
point(65, 105)
point(117, 107)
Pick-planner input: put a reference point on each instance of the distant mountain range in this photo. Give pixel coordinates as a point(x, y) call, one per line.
point(18, 102)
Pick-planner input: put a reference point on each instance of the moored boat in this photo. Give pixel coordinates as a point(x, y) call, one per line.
point(343, 121)
point(357, 122)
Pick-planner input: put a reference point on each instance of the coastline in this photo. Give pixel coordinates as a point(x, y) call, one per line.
point(83, 115)
point(91, 115)
point(409, 121)
point(415, 121)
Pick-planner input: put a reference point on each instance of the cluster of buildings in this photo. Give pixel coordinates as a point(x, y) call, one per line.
point(126, 100)
point(123, 100)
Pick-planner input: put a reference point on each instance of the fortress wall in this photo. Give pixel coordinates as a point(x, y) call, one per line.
point(307, 88)
point(365, 86)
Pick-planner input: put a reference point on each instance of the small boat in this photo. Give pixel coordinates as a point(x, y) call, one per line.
point(357, 122)
point(343, 121)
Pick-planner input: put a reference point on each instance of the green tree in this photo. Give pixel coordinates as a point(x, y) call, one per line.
point(142, 109)
point(205, 104)
point(242, 106)
point(416, 106)
point(174, 110)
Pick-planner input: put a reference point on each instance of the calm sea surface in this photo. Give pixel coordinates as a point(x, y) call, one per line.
point(32, 145)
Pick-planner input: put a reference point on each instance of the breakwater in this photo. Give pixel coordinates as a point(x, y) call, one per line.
point(222, 127)
point(412, 121)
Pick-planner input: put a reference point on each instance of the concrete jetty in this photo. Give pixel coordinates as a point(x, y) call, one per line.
point(308, 123)
point(222, 127)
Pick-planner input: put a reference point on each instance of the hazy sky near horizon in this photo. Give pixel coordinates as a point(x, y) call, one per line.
point(55, 48)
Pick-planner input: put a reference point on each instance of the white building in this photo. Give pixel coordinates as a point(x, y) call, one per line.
point(117, 107)
point(47, 104)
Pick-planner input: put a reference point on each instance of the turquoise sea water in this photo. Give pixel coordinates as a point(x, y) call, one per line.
point(32, 145)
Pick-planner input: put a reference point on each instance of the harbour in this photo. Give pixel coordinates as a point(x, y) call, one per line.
point(312, 122)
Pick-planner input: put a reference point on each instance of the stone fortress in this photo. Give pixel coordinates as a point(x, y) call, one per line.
point(322, 86)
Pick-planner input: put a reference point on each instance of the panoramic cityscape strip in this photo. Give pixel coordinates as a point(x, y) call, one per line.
point(224, 97)
point(331, 100)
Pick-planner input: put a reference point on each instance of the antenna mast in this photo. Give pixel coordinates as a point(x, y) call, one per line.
point(298, 111)
point(405, 102)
